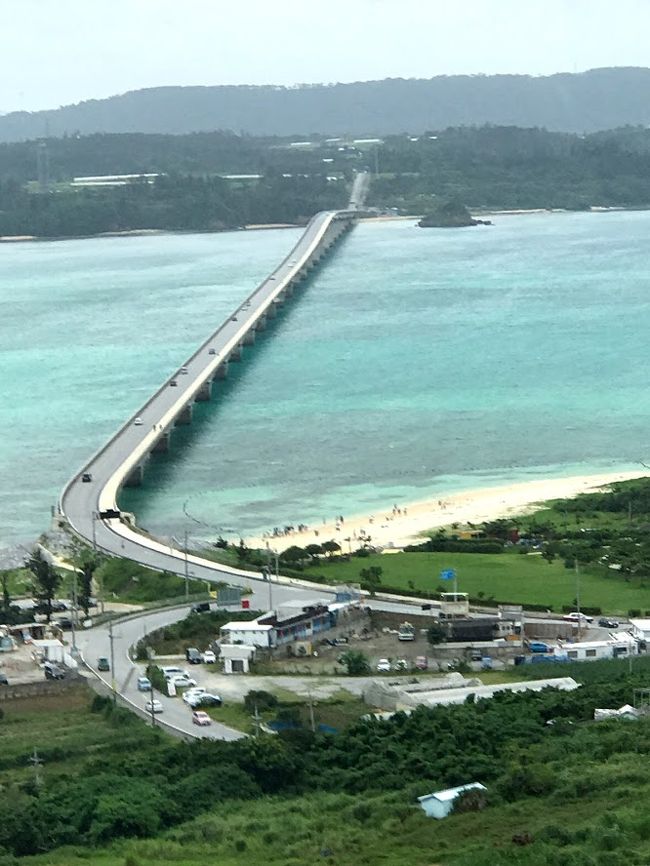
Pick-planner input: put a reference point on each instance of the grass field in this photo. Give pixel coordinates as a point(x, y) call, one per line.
point(506, 577)
point(63, 730)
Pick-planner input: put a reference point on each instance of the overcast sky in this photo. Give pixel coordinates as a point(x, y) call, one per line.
point(54, 52)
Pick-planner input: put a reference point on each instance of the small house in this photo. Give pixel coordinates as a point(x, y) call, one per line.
point(439, 804)
point(236, 657)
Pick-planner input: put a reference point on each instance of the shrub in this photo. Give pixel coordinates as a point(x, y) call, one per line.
point(260, 699)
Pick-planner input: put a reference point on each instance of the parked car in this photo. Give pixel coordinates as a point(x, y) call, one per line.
point(53, 672)
point(575, 616)
point(193, 656)
point(608, 623)
point(173, 669)
point(64, 623)
point(3, 680)
point(103, 664)
point(153, 706)
point(538, 646)
point(209, 658)
point(206, 700)
point(192, 693)
point(144, 684)
point(383, 666)
point(181, 682)
point(201, 718)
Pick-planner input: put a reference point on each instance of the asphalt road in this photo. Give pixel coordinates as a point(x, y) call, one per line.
point(82, 501)
point(96, 643)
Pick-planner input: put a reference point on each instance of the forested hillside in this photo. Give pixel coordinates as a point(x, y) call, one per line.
point(585, 102)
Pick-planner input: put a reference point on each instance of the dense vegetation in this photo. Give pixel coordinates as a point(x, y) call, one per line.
point(507, 167)
point(484, 168)
point(170, 203)
point(598, 99)
point(92, 794)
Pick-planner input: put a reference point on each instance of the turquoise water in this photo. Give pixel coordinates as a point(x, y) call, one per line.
point(414, 362)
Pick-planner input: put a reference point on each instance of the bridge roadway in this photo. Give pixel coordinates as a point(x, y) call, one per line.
point(122, 459)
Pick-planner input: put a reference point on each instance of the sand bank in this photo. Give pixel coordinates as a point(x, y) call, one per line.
point(401, 523)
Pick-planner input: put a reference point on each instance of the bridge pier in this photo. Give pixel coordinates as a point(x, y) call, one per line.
point(249, 338)
point(260, 324)
point(184, 416)
point(134, 478)
point(236, 353)
point(272, 310)
point(161, 445)
point(204, 393)
point(222, 371)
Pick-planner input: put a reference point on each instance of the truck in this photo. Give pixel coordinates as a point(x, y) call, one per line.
point(406, 632)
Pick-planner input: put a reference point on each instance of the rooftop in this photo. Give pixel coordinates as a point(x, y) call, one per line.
point(451, 793)
point(245, 625)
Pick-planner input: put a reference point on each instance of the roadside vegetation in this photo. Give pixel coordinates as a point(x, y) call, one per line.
point(196, 629)
point(561, 793)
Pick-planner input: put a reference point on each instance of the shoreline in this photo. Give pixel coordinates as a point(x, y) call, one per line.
point(403, 523)
point(130, 233)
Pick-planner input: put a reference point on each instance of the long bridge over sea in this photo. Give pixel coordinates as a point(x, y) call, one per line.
point(89, 501)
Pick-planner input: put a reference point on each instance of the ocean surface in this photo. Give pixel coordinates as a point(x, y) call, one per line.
point(414, 362)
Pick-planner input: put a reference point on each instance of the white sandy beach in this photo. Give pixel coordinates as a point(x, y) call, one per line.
point(390, 529)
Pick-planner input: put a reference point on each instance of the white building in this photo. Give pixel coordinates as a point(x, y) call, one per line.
point(640, 629)
point(236, 657)
point(440, 803)
point(249, 633)
point(622, 646)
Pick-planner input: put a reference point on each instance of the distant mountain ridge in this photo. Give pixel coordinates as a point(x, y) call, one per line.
point(567, 102)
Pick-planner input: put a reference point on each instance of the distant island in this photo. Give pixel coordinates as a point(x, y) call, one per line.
point(451, 214)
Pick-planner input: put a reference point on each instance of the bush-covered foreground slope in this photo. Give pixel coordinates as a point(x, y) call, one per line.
point(573, 791)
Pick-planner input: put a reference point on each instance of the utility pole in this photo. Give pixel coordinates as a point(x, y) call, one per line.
point(73, 618)
point(266, 574)
point(36, 763)
point(153, 715)
point(94, 532)
point(257, 722)
point(312, 721)
point(110, 637)
point(577, 570)
point(187, 576)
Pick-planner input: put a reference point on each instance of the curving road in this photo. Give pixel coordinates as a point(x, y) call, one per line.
point(82, 502)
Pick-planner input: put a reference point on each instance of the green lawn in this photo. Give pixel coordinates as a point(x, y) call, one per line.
point(506, 577)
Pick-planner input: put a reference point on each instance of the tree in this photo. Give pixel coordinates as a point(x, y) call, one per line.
point(293, 554)
point(330, 547)
point(46, 579)
point(371, 578)
point(84, 591)
point(436, 634)
point(6, 597)
point(355, 663)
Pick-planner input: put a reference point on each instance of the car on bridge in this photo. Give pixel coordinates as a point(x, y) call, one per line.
point(144, 684)
point(153, 706)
